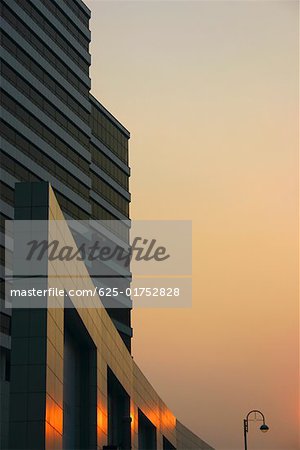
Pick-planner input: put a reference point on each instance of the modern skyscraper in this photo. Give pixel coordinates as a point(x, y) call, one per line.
point(53, 130)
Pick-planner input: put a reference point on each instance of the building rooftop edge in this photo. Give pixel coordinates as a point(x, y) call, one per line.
point(109, 115)
point(183, 427)
point(84, 7)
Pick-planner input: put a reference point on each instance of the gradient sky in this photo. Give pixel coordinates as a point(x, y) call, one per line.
point(209, 91)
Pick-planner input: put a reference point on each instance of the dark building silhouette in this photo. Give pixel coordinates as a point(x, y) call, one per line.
point(53, 129)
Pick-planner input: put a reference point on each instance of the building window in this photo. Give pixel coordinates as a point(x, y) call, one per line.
point(5, 322)
point(80, 384)
point(146, 433)
point(119, 422)
point(4, 364)
point(167, 444)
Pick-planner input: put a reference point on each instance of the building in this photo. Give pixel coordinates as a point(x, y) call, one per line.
point(53, 130)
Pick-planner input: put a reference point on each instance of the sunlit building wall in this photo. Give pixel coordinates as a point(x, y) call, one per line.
point(74, 384)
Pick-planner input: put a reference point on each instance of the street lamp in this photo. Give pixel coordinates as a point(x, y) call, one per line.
point(264, 428)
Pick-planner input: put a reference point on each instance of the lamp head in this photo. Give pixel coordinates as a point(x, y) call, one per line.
point(264, 428)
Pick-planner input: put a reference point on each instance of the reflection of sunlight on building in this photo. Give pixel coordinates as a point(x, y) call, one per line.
point(101, 419)
point(153, 415)
point(50, 434)
point(161, 417)
point(168, 420)
point(133, 418)
point(54, 416)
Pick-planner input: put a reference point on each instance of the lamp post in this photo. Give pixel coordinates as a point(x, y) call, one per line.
point(264, 428)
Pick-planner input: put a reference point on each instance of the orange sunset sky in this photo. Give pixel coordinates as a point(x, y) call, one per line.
point(209, 91)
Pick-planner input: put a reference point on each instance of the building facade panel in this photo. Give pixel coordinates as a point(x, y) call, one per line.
point(49, 115)
point(51, 357)
point(123, 411)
